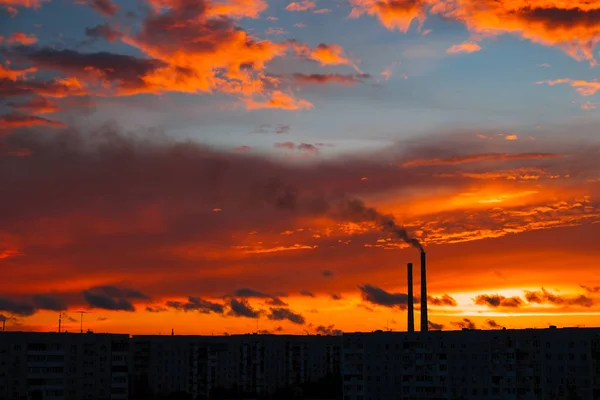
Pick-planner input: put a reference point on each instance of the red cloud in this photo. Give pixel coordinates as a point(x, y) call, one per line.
point(58, 88)
point(112, 73)
point(304, 147)
point(104, 7)
point(112, 201)
point(104, 31)
point(350, 79)
point(309, 148)
point(484, 157)
point(243, 148)
point(285, 145)
point(20, 37)
point(8, 4)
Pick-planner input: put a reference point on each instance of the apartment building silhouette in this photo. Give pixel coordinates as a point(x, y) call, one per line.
point(543, 364)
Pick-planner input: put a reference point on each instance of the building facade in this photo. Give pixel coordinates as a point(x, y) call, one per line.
point(547, 364)
point(242, 364)
point(52, 366)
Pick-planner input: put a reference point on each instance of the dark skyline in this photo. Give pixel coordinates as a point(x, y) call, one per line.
point(215, 166)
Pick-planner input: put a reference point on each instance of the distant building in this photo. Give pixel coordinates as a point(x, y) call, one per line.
point(53, 366)
point(526, 364)
point(542, 364)
point(253, 364)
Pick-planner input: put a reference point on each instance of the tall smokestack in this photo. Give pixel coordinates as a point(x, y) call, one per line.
point(424, 320)
point(411, 305)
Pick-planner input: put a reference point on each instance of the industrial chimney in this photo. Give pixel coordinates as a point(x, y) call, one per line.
point(424, 320)
point(411, 305)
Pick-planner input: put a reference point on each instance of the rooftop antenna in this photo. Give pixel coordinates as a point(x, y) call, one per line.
point(81, 320)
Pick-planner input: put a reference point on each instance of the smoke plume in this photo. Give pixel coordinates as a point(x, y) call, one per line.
point(337, 205)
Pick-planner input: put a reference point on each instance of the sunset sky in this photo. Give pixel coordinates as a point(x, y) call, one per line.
point(231, 166)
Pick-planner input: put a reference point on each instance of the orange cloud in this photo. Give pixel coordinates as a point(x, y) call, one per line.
point(388, 71)
point(322, 11)
point(22, 120)
point(8, 4)
point(174, 225)
point(588, 106)
point(238, 9)
point(484, 157)
point(20, 37)
point(568, 25)
point(193, 49)
point(571, 26)
point(393, 14)
point(63, 87)
point(57, 88)
point(203, 55)
point(278, 99)
point(190, 55)
point(511, 137)
point(37, 105)
point(325, 54)
point(303, 5)
point(465, 47)
point(584, 88)
point(14, 74)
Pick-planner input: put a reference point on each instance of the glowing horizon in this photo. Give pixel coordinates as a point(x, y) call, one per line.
point(206, 165)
